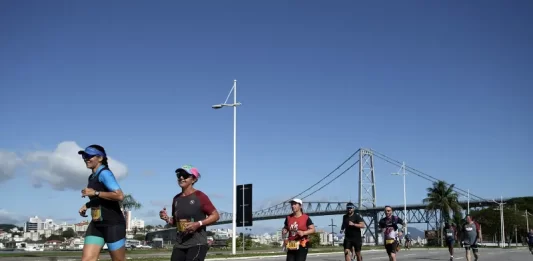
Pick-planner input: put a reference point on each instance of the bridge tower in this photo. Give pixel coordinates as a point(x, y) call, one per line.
point(367, 181)
point(367, 190)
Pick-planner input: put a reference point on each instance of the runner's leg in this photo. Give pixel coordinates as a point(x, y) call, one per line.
point(475, 251)
point(196, 253)
point(357, 245)
point(115, 237)
point(347, 249)
point(94, 241)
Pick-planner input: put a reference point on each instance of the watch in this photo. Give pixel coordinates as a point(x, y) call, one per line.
point(97, 193)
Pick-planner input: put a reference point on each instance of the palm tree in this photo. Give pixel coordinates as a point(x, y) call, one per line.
point(129, 203)
point(442, 197)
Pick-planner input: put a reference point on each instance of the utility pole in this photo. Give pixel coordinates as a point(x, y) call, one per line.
point(405, 218)
point(468, 203)
point(527, 220)
point(332, 232)
point(515, 230)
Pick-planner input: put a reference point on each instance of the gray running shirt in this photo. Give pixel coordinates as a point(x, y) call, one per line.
point(470, 233)
point(450, 234)
point(192, 208)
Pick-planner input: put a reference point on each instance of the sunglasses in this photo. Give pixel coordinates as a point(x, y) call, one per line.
point(349, 208)
point(87, 156)
point(182, 174)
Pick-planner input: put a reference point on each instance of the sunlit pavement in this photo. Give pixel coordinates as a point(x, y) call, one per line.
point(485, 254)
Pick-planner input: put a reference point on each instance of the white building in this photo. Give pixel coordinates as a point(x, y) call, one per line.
point(137, 223)
point(37, 224)
point(127, 216)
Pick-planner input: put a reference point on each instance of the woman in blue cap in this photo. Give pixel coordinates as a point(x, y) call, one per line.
point(108, 225)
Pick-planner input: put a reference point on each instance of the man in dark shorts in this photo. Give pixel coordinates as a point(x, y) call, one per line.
point(451, 236)
point(471, 238)
point(389, 226)
point(351, 226)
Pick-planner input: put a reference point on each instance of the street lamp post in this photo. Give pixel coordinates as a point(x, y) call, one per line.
point(502, 225)
point(234, 105)
point(404, 196)
point(527, 219)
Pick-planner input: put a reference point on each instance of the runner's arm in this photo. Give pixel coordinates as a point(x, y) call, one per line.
point(359, 222)
point(382, 225)
point(285, 226)
point(402, 222)
point(108, 179)
point(208, 208)
point(310, 227)
point(170, 220)
point(343, 226)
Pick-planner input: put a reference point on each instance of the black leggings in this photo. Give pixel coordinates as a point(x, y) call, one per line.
point(297, 255)
point(195, 253)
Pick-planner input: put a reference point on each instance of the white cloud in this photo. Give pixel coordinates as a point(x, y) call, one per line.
point(7, 217)
point(9, 161)
point(63, 168)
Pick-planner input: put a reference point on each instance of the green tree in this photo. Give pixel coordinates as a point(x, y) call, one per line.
point(442, 197)
point(139, 237)
point(69, 233)
point(490, 221)
point(56, 237)
point(149, 227)
point(129, 203)
point(314, 240)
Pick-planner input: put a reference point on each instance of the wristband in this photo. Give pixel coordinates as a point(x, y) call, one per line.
point(201, 224)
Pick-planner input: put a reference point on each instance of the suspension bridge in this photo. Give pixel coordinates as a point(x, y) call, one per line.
point(366, 205)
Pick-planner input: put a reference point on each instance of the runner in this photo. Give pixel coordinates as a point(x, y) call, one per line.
point(529, 239)
point(471, 237)
point(352, 224)
point(299, 226)
point(192, 211)
point(408, 241)
point(451, 236)
point(389, 226)
point(108, 225)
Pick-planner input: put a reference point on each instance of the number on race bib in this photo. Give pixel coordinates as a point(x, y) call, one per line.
point(96, 213)
point(181, 225)
point(293, 245)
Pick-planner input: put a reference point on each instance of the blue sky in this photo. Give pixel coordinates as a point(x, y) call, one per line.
point(440, 85)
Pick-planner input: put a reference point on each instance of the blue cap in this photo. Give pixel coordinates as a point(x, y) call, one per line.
point(91, 151)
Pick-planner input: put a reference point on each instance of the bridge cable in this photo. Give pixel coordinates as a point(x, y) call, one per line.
point(337, 168)
point(423, 175)
point(336, 177)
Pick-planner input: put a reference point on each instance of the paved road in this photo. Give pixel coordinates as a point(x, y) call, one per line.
point(488, 254)
point(419, 255)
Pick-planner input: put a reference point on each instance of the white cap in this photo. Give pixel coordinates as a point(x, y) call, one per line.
point(297, 200)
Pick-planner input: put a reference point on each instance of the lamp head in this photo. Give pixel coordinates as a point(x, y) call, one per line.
point(217, 106)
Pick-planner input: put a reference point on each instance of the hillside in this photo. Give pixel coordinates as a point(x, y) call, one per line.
point(6, 227)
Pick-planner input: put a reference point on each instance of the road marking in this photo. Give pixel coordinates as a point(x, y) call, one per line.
point(382, 257)
point(457, 258)
point(433, 252)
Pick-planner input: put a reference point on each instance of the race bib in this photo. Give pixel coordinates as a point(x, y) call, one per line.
point(96, 213)
point(389, 241)
point(449, 234)
point(293, 245)
point(181, 225)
